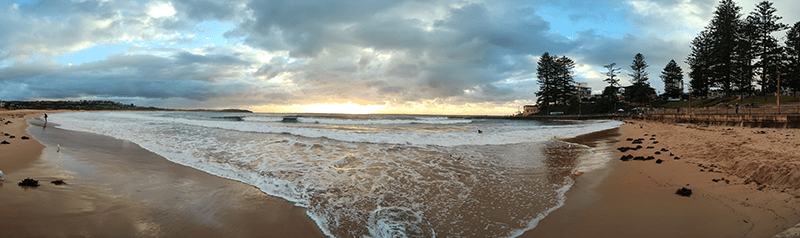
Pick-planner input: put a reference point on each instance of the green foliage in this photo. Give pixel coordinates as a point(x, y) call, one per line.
point(672, 77)
point(766, 47)
point(731, 53)
point(723, 31)
point(763, 100)
point(793, 57)
point(639, 75)
point(640, 91)
point(555, 77)
point(743, 60)
point(612, 74)
point(699, 62)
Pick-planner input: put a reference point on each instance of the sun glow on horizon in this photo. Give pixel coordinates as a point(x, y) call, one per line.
point(343, 108)
point(430, 107)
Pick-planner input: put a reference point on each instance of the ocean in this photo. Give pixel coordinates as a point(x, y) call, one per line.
point(375, 175)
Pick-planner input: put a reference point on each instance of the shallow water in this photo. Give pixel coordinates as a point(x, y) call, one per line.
point(375, 175)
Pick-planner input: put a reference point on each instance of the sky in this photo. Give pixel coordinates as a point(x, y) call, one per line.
point(404, 56)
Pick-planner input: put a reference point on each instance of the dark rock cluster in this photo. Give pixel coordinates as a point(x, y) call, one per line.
point(721, 179)
point(626, 157)
point(684, 192)
point(29, 182)
point(631, 157)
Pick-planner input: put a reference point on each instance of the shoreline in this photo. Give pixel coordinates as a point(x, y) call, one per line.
point(637, 198)
point(614, 199)
point(116, 188)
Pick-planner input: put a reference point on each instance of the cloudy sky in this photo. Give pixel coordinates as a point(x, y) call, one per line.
point(405, 56)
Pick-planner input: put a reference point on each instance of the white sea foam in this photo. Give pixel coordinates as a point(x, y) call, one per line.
point(531, 134)
point(373, 183)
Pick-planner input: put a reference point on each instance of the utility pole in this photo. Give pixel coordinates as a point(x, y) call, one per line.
point(779, 89)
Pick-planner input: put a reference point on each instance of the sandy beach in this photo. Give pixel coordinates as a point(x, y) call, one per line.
point(743, 182)
point(115, 188)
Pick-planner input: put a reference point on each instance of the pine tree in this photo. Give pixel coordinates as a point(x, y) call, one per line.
point(673, 79)
point(699, 62)
point(723, 31)
point(639, 75)
point(545, 76)
point(565, 81)
point(556, 82)
point(793, 58)
point(769, 53)
point(640, 89)
point(743, 59)
point(612, 73)
point(610, 92)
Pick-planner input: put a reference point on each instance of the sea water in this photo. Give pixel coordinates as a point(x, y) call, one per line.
point(375, 175)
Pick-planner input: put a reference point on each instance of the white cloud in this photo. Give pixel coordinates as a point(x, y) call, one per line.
point(160, 9)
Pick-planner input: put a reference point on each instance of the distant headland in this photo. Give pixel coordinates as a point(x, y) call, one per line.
point(96, 105)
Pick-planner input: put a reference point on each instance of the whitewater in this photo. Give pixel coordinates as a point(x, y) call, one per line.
point(375, 175)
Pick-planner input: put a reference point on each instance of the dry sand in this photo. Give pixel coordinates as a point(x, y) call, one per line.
point(117, 189)
point(19, 152)
point(755, 195)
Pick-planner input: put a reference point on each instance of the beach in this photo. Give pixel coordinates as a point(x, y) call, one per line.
point(743, 182)
point(117, 188)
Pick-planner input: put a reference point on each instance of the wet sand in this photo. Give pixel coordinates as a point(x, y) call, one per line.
point(637, 198)
point(117, 189)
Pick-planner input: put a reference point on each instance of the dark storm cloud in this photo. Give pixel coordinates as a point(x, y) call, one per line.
point(183, 75)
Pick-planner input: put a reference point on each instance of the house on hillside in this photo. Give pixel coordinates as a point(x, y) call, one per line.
point(716, 93)
point(529, 110)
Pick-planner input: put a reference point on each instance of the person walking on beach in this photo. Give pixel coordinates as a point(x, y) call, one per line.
point(737, 109)
point(45, 117)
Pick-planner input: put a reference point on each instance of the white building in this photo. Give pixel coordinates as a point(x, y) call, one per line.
point(583, 91)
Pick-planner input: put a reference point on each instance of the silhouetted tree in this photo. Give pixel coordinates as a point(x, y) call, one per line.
point(793, 58)
point(545, 74)
point(673, 78)
point(640, 89)
point(699, 62)
point(556, 82)
point(723, 32)
point(639, 66)
point(769, 53)
point(743, 59)
point(611, 75)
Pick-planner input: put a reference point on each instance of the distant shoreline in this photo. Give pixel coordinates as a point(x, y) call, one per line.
point(98, 106)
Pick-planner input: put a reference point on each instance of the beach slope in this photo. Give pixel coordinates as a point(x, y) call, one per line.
point(114, 188)
point(743, 182)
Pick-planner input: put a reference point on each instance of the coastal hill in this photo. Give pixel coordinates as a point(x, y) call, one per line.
point(95, 105)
